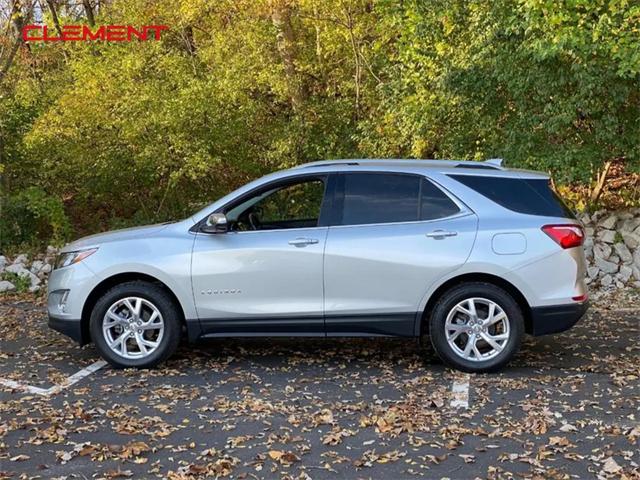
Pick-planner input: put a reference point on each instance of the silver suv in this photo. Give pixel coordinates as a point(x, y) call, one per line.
point(468, 254)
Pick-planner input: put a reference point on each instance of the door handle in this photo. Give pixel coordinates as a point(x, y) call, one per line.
point(441, 234)
point(303, 241)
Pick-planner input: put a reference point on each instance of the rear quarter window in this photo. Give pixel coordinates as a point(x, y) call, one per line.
point(528, 196)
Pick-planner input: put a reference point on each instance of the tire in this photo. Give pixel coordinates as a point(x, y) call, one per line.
point(450, 329)
point(158, 323)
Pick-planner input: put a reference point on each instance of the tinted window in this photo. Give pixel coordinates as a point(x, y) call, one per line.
point(296, 205)
point(380, 198)
point(434, 203)
point(533, 197)
point(301, 201)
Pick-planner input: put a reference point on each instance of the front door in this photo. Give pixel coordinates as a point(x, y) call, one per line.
point(396, 235)
point(264, 276)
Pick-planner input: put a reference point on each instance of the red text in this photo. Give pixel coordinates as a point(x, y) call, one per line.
point(83, 33)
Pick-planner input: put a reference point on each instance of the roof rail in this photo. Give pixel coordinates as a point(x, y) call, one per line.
point(327, 164)
point(493, 163)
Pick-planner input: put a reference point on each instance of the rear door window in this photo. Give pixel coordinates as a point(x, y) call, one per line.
point(371, 198)
point(380, 198)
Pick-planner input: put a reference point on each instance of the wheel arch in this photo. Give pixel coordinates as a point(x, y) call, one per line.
point(110, 282)
point(476, 277)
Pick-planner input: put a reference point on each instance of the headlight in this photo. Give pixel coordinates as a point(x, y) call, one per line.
point(69, 258)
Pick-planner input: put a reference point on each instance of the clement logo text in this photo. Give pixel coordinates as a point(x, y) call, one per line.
point(83, 33)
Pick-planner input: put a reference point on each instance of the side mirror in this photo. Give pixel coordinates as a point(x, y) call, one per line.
point(216, 223)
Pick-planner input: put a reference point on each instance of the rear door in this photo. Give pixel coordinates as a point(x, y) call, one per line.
point(394, 235)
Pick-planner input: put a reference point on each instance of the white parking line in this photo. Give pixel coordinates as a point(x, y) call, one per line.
point(25, 388)
point(460, 392)
point(45, 392)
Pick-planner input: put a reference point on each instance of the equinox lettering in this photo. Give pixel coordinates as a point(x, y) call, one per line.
point(83, 33)
point(221, 292)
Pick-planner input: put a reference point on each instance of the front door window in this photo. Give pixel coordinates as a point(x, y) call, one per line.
point(295, 205)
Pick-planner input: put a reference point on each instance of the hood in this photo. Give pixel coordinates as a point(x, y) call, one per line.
point(114, 236)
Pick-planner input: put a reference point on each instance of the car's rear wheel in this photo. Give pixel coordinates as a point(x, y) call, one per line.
point(135, 324)
point(476, 327)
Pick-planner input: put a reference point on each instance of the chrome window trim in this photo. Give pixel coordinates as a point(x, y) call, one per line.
point(461, 214)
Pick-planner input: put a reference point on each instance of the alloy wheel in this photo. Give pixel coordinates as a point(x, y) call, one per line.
point(133, 327)
point(477, 329)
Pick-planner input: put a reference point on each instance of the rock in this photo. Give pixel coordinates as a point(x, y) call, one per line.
point(609, 222)
point(584, 218)
point(625, 274)
point(34, 288)
point(606, 281)
point(21, 259)
point(631, 240)
point(3, 261)
point(46, 268)
point(598, 215)
point(588, 243)
point(18, 269)
point(619, 284)
point(623, 252)
point(592, 272)
point(601, 250)
point(6, 286)
point(588, 252)
point(605, 266)
point(629, 225)
point(36, 266)
point(636, 258)
point(52, 251)
point(34, 279)
point(636, 272)
point(607, 236)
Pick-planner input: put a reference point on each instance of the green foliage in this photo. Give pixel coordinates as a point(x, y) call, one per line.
point(22, 284)
point(539, 83)
point(95, 136)
point(32, 214)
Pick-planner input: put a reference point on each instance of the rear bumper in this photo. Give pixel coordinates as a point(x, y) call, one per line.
point(70, 327)
point(556, 318)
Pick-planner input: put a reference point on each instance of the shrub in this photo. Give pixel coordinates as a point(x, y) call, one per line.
point(32, 216)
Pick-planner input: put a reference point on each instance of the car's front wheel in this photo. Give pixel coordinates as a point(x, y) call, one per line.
point(476, 327)
point(135, 324)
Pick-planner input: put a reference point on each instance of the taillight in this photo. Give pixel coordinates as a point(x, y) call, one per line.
point(567, 236)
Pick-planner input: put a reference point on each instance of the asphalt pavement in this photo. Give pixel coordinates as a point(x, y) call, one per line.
point(567, 407)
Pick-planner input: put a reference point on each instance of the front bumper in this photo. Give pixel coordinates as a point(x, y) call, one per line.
point(68, 289)
point(70, 327)
point(556, 318)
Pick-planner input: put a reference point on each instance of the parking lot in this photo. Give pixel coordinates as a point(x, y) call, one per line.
point(567, 407)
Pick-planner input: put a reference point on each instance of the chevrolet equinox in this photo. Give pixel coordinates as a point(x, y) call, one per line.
point(470, 255)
